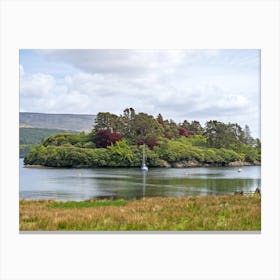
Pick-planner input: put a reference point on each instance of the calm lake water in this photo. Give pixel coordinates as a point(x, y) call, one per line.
point(128, 183)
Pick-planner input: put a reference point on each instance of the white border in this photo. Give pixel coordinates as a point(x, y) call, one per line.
point(156, 24)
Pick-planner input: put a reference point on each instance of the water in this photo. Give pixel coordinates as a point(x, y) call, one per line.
point(129, 183)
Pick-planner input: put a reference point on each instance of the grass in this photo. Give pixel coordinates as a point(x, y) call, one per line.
point(86, 204)
point(202, 213)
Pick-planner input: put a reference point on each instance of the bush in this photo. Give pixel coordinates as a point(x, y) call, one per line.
point(197, 140)
point(227, 156)
point(36, 155)
point(65, 138)
point(120, 154)
point(179, 150)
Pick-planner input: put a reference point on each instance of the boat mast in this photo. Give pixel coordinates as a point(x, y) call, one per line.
point(143, 158)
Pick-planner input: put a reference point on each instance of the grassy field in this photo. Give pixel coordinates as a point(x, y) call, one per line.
point(202, 213)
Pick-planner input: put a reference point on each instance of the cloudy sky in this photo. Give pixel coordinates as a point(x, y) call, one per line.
point(201, 85)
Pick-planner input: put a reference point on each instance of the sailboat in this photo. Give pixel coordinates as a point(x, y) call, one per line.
point(144, 167)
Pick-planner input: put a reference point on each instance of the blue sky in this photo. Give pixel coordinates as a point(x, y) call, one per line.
point(198, 85)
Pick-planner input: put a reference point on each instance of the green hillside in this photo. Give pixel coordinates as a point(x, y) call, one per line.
point(34, 127)
point(35, 135)
point(31, 136)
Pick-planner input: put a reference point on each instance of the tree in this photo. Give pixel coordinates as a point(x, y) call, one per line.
point(196, 127)
point(217, 134)
point(121, 154)
point(171, 129)
point(236, 133)
point(214, 133)
point(197, 140)
point(129, 113)
point(186, 125)
point(192, 128)
point(126, 123)
point(249, 140)
point(160, 119)
point(258, 144)
point(106, 121)
point(152, 141)
point(184, 132)
point(221, 135)
point(144, 126)
point(104, 138)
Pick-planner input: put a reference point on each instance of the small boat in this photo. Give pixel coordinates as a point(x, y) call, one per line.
point(144, 167)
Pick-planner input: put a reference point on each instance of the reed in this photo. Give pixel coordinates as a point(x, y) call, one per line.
point(200, 213)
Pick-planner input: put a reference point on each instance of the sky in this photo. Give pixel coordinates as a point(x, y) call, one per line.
point(202, 85)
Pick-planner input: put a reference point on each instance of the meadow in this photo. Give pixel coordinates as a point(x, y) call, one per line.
point(190, 213)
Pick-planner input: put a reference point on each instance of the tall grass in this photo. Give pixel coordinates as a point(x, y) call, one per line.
point(85, 204)
point(203, 213)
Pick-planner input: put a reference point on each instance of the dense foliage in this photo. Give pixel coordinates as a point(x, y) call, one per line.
point(116, 141)
point(105, 138)
point(29, 136)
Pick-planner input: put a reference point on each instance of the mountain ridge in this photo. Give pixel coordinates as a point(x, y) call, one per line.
point(75, 122)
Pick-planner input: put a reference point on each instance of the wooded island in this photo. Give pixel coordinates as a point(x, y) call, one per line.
point(117, 141)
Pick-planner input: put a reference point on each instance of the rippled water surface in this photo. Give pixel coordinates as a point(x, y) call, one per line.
point(128, 183)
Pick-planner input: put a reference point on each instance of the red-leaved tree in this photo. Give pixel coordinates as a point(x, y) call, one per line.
point(104, 138)
point(150, 141)
point(184, 132)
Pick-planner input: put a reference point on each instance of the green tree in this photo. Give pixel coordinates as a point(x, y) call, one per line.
point(221, 135)
point(186, 125)
point(126, 123)
point(171, 129)
point(160, 119)
point(36, 155)
point(196, 127)
point(143, 127)
point(197, 140)
point(106, 121)
point(121, 154)
point(215, 133)
point(248, 139)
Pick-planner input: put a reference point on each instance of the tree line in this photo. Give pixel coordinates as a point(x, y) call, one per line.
point(117, 141)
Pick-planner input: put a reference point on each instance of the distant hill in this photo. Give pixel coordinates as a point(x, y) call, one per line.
point(36, 126)
point(74, 122)
point(29, 136)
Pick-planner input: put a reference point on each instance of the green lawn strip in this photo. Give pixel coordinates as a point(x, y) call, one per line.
point(86, 204)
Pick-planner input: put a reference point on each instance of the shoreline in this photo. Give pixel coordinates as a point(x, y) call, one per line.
point(110, 198)
point(180, 164)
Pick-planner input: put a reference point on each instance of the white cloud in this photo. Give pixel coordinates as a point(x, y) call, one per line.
point(199, 85)
point(129, 62)
point(36, 85)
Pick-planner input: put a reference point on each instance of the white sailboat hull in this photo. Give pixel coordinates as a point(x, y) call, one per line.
point(144, 168)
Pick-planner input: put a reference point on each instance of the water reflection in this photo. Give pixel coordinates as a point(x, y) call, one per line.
point(144, 174)
point(112, 183)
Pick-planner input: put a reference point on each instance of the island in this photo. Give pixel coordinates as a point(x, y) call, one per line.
point(117, 141)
